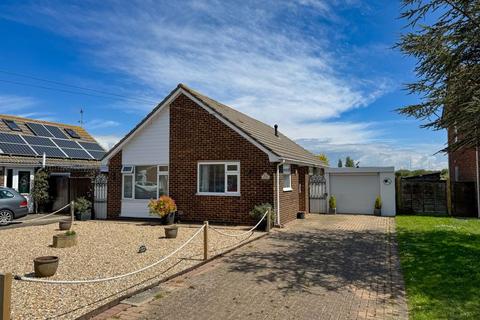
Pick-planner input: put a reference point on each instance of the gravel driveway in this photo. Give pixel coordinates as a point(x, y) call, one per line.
point(105, 249)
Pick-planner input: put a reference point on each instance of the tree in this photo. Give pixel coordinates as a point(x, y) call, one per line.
point(349, 163)
point(40, 189)
point(323, 157)
point(444, 37)
point(340, 164)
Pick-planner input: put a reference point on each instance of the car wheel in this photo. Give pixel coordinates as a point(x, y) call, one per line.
point(5, 216)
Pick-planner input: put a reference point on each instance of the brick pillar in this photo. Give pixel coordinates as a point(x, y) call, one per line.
point(114, 197)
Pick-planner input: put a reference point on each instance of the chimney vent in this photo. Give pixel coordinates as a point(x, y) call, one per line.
point(276, 130)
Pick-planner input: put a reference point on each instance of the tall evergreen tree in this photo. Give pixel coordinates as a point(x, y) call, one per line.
point(340, 163)
point(40, 189)
point(349, 163)
point(444, 37)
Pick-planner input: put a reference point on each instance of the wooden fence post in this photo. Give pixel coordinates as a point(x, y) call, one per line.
point(269, 213)
point(72, 209)
point(205, 240)
point(5, 295)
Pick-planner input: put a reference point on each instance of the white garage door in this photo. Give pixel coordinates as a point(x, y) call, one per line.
point(355, 193)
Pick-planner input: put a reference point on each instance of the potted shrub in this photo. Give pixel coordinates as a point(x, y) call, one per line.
point(163, 207)
point(65, 240)
point(332, 205)
point(65, 224)
point(259, 211)
point(378, 207)
point(45, 266)
point(83, 209)
point(171, 232)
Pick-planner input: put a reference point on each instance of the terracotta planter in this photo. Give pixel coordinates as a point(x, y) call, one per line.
point(65, 225)
point(64, 241)
point(45, 266)
point(171, 232)
point(300, 215)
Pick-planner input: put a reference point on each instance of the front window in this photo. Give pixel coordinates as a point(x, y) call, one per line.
point(287, 177)
point(145, 182)
point(219, 178)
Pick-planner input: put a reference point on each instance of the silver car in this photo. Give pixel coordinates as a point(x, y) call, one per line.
point(12, 205)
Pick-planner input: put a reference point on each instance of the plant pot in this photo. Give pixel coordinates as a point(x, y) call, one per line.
point(377, 212)
point(64, 241)
point(168, 219)
point(300, 215)
point(171, 232)
point(65, 224)
point(332, 210)
point(83, 216)
point(45, 266)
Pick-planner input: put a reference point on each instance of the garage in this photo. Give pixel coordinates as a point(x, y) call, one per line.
point(356, 189)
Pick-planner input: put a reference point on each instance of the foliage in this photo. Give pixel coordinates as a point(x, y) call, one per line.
point(70, 233)
point(444, 37)
point(340, 163)
point(323, 157)
point(40, 188)
point(259, 210)
point(162, 206)
point(332, 202)
point(82, 205)
point(349, 163)
point(439, 258)
point(378, 203)
point(418, 172)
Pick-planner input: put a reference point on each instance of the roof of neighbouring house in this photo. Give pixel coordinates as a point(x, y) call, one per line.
point(23, 141)
point(280, 146)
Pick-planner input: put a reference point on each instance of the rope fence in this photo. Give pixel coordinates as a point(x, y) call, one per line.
point(6, 279)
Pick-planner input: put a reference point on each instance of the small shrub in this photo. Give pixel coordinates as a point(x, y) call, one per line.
point(259, 210)
point(332, 202)
point(82, 205)
point(40, 189)
point(70, 233)
point(162, 206)
point(378, 203)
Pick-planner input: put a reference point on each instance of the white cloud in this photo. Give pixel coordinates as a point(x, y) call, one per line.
point(13, 103)
point(107, 141)
point(101, 124)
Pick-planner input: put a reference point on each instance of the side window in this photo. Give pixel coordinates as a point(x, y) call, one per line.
point(4, 194)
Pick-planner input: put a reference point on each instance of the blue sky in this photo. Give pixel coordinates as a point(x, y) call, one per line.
point(324, 70)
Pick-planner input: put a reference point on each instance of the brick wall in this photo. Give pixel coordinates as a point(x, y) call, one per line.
point(289, 200)
point(114, 187)
point(465, 160)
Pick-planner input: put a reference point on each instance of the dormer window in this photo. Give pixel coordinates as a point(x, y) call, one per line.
point(12, 125)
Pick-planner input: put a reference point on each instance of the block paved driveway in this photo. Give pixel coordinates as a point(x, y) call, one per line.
point(324, 267)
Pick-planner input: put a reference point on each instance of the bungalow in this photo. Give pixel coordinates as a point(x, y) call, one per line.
point(214, 161)
point(66, 152)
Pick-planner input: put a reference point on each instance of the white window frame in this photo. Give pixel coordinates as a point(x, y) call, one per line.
point(132, 174)
point(289, 174)
point(125, 169)
point(227, 173)
point(123, 186)
point(163, 173)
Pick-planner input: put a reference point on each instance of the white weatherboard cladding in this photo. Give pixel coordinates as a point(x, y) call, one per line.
point(387, 192)
point(355, 193)
point(150, 146)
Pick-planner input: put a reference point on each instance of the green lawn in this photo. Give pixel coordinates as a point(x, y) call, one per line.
point(440, 260)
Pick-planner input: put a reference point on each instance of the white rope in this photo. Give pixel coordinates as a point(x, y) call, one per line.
point(241, 234)
point(114, 277)
point(40, 218)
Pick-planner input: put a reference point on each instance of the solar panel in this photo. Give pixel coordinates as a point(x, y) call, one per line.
point(91, 146)
point(77, 153)
point(98, 155)
point(39, 141)
point(56, 131)
point(12, 125)
point(39, 129)
point(49, 151)
point(67, 144)
point(11, 138)
point(18, 149)
point(72, 133)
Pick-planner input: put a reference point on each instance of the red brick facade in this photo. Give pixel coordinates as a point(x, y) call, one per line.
point(195, 136)
point(462, 163)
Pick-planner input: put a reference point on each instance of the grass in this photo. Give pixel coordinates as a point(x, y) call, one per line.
point(440, 259)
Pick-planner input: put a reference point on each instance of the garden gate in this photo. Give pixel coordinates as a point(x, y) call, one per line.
point(100, 196)
point(318, 194)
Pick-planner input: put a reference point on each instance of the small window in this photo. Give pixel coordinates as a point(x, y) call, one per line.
point(163, 169)
point(219, 178)
point(12, 125)
point(127, 169)
point(72, 133)
point(128, 186)
point(287, 177)
point(4, 194)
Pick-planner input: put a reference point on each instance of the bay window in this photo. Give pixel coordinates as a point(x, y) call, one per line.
point(219, 178)
point(144, 182)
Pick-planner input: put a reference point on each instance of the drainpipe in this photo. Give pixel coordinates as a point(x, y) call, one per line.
point(278, 191)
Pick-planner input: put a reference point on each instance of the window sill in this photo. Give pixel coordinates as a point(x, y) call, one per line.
point(287, 189)
point(221, 194)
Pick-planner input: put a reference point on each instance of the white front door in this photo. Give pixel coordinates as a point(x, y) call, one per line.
point(20, 179)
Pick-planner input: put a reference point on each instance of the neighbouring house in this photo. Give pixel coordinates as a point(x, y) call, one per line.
point(67, 152)
point(464, 170)
point(214, 161)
